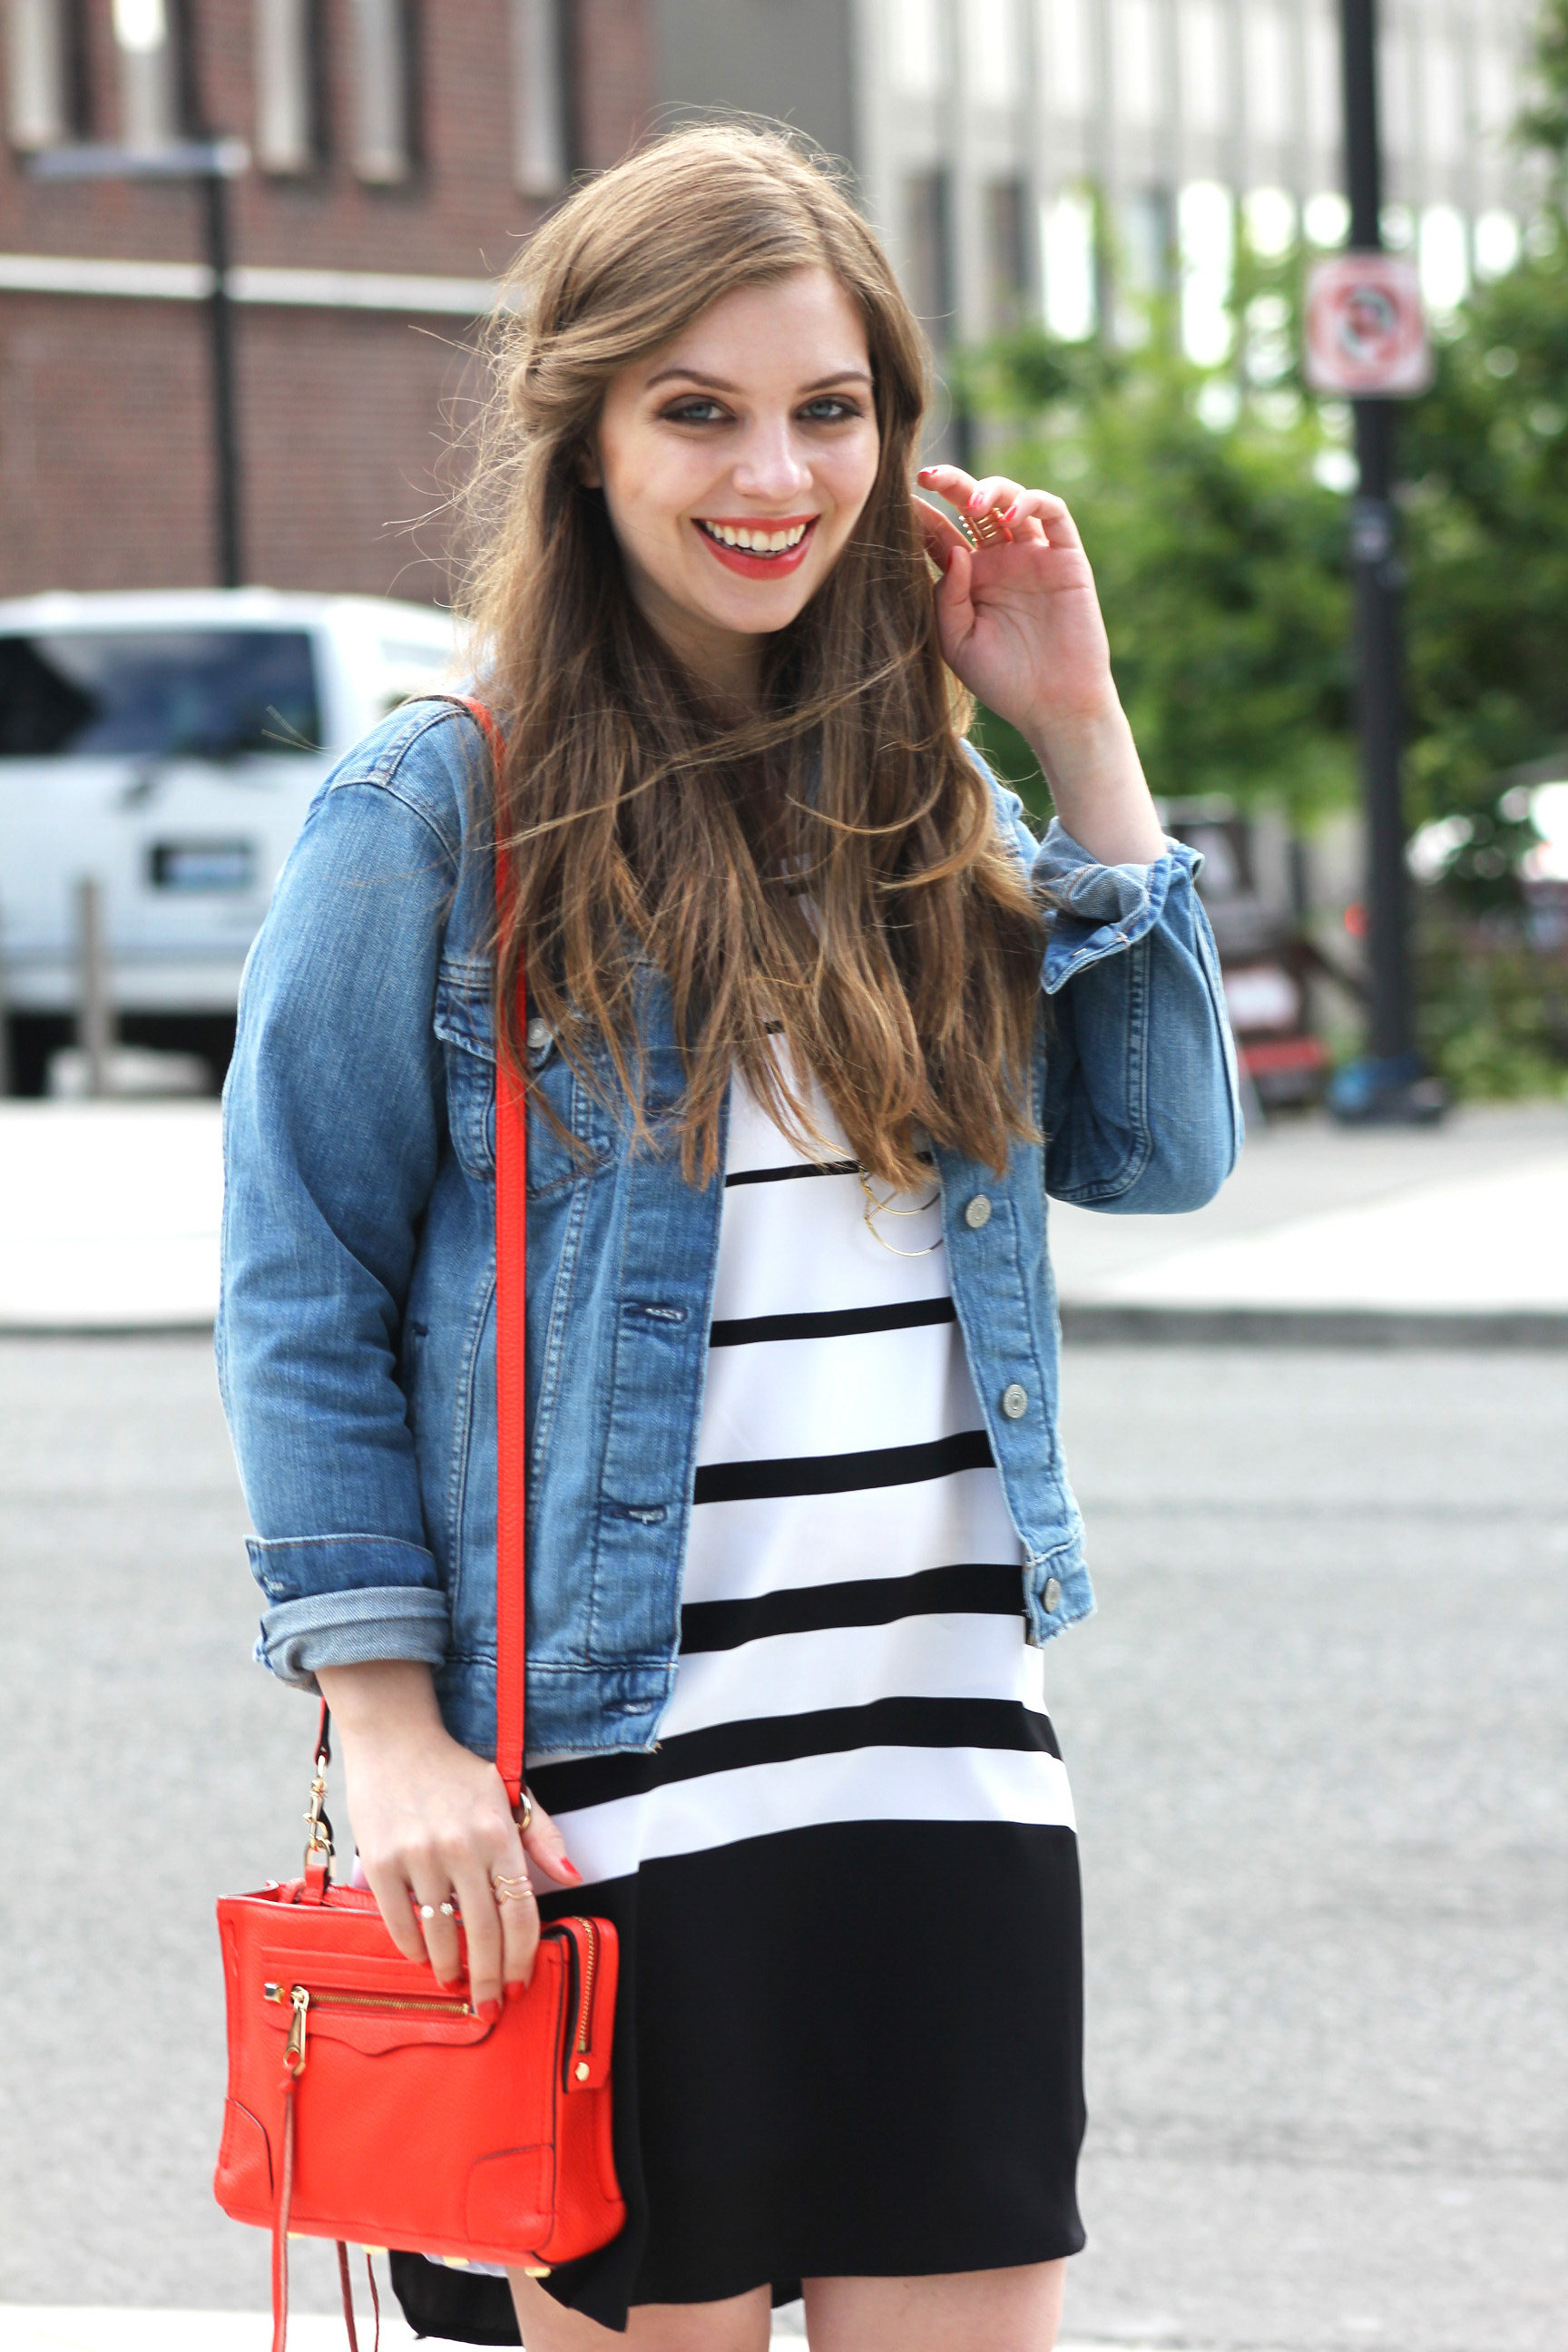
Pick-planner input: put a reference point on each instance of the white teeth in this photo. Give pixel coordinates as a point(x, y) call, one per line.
point(756, 542)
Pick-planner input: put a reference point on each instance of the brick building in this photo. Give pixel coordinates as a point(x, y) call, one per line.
point(398, 154)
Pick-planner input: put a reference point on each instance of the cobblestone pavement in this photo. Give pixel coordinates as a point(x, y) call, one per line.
point(1316, 1735)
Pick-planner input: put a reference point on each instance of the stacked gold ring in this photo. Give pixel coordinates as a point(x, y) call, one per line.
point(983, 530)
point(512, 1889)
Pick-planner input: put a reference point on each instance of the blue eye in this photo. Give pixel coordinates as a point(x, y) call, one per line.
point(693, 412)
point(831, 409)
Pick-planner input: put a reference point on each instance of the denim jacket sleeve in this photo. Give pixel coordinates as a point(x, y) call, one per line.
point(333, 1129)
point(1142, 1111)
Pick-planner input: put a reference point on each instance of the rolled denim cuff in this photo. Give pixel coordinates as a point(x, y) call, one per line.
point(1096, 911)
point(349, 1628)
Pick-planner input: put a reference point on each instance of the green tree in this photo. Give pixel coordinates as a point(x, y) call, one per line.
point(1485, 460)
point(1220, 565)
point(1220, 557)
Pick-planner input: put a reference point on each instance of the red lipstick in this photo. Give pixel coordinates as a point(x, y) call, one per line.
point(749, 564)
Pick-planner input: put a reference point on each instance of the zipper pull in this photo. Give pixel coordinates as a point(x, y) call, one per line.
point(294, 2047)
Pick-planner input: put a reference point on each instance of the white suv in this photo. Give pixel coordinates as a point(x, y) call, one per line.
point(167, 746)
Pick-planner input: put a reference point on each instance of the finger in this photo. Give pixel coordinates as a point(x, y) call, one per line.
point(481, 1934)
point(954, 599)
point(394, 1898)
point(940, 532)
point(516, 1907)
point(1052, 513)
point(993, 492)
point(949, 482)
point(545, 1845)
point(431, 1886)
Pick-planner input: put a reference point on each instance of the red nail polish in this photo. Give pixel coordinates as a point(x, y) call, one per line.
point(573, 1873)
point(490, 2011)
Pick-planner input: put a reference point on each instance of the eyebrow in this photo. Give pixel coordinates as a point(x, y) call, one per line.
point(718, 383)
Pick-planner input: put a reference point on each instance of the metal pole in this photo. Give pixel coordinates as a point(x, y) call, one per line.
point(225, 427)
point(95, 1017)
point(1378, 617)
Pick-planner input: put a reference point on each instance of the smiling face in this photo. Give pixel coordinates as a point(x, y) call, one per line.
point(735, 463)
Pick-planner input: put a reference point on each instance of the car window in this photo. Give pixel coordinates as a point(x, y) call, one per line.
point(412, 666)
point(159, 693)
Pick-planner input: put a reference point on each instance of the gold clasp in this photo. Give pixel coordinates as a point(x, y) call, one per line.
point(319, 1845)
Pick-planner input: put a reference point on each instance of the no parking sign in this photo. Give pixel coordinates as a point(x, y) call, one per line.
point(1366, 328)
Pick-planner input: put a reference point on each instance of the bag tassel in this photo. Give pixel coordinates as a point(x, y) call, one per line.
point(280, 2222)
point(280, 2245)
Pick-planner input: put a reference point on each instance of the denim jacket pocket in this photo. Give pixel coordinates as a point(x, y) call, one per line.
point(463, 1024)
point(465, 1027)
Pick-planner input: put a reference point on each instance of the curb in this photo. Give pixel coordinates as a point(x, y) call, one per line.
point(1085, 1325)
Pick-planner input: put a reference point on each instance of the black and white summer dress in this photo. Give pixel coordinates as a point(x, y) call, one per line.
point(847, 2042)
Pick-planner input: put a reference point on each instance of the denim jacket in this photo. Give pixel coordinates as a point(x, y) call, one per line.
point(356, 1332)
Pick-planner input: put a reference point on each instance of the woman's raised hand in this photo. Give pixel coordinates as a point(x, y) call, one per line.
point(1021, 626)
point(435, 1832)
point(1020, 619)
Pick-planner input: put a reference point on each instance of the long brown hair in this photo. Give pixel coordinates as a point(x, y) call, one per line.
point(831, 863)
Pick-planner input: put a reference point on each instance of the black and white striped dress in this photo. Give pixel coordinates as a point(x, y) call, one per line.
point(846, 1882)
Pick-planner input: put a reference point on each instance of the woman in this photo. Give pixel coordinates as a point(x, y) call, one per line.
point(798, 1516)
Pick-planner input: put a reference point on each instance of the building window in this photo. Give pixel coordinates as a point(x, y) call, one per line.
point(42, 80)
point(916, 48)
point(928, 241)
point(538, 85)
point(994, 63)
point(287, 86)
point(1203, 34)
point(152, 95)
point(1069, 239)
point(1007, 255)
point(383, 101)
point(1068, 57)
point(1137, 64)
point(1271, 75)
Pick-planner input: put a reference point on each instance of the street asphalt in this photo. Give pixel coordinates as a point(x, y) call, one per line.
point(1317, 1738)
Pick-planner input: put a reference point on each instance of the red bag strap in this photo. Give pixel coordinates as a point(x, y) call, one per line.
point(511, 1328)
point(511, 1332)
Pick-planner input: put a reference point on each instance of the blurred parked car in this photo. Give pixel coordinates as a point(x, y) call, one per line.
point(167, 746)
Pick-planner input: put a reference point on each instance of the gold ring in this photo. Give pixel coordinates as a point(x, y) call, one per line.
point(989, 530)
point(523, 1816)
point(514, 1889)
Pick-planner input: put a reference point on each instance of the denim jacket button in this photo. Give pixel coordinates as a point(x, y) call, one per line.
point(977, 1214)
point(1014, 1401)
point(1052, 1595)
point(538, 1033)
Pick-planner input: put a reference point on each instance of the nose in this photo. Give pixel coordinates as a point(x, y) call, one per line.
point(773, 467)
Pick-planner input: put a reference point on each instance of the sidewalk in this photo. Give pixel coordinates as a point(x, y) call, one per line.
point(109, 1222)
point(26, 2329)
point(1330, 1236)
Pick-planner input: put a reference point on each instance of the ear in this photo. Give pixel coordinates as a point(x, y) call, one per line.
point(589, 471)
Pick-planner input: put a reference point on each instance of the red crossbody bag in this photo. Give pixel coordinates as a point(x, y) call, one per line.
point(365, 2104)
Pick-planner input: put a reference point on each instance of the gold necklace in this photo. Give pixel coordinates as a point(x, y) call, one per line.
point(875, 1209)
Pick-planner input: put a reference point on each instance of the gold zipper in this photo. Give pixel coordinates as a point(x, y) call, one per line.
point(585, 2000)
point(454, 2006)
